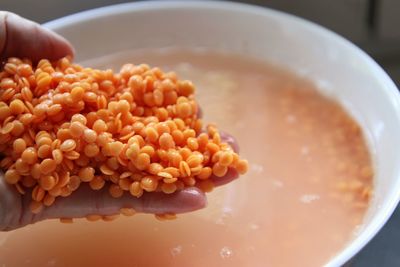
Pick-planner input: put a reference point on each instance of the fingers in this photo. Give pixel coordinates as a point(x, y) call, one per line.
point(227, 138)
point(229, 177)
point(23, 38)
point(86, 201)
point(232, 174)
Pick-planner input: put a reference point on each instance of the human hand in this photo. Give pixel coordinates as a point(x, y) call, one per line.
point(22, 38)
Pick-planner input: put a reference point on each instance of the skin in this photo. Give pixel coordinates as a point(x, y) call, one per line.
point(23, 38)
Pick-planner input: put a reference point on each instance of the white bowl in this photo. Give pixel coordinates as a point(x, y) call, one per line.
point(339, 68)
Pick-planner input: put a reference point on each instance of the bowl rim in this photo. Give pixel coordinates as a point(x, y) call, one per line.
point(390, 91)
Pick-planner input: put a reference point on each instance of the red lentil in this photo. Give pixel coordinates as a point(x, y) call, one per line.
point(135, 131)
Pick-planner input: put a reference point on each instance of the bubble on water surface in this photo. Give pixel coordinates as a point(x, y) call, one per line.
point(305, 150)
point(291, 118)
point(176, 251)
point(308, 198)
point(226, 252)
point(277, 183)
point(257, 168)
point(254, 226)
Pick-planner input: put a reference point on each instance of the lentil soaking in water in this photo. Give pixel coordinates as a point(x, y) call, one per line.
point(305, 194)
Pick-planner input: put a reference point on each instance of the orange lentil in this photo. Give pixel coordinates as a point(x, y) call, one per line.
point(47, 182)
point(151, 134)
point(165, 216)
point(116, 147)
point(91, 150)
point(173, 171)
point(26, 119)
point(36, 206)
point(133, 151)
point(242, 166)
point(77, 93)
point(68, 145)
point(57, 156)
point(113, 163)
point(12, 176)
point(74, 182)
point(17, 107)
point(47, 166)
point(18, 128)
point(217, 138)
point(155, 168)
point(86, 174)
point(219, 170)
point(206, 185)
point(99, 126)
point(106, 170)
point(226, 158)
point(66, 220)
point(38, 193)
point(165, 175)
point(162, 128)
point(36, 171)
point(44, 151)
point(184, 169)
point(148, 150)
point(48, 200)
point(192, 143)
point(185, 153)
point(194, 161)
point(168, 188)
point(109, 218)
point(21, 166)
point(93, 217)
point(29, 155)
point(65, 191)
point(184, 110)
point(205, 173)
point(127, 211)
point(76, 129)
point(89, 135)
point(54, 109)
point(174, 158)
point(149, 183)
point(5, 112)
point(63, 179)
point(97, 183)
point(166, 141)
point(7, 128)
point(124, 184)
point(189, 181)
point(115, 191)
point(185, 88)
point(19, 145)
point(188, 133)
point(136, 189)
point(79, 118)
point(142, 161)
point(6, 163)
point(213, 148)
point(196, 170)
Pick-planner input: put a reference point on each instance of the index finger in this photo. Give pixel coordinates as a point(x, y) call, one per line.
point(23, 38)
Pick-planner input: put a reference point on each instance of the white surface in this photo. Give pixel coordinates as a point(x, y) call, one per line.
point(340, 68)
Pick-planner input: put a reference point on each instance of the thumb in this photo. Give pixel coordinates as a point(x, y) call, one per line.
point(20, 37)
point(85, 201)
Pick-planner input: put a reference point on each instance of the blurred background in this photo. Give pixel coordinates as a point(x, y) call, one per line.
point(372, 25)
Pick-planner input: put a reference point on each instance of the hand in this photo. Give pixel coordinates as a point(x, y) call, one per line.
point(22, 38)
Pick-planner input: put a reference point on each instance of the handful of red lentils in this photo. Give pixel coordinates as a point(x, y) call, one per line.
point(137, 131)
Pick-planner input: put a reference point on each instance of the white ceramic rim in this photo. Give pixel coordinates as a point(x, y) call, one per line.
point(392, 93)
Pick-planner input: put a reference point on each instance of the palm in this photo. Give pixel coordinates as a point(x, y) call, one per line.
point(14, 207)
